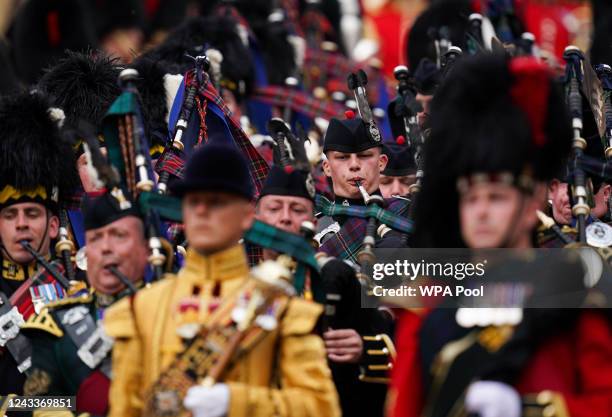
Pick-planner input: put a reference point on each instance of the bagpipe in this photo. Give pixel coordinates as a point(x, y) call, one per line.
point(198, 114)
point(349, 239)
point(289, 154)
point(126, 173)
point(587, 89)
point(573, 77)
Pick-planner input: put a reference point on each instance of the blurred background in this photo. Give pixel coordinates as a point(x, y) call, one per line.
point(34, 33)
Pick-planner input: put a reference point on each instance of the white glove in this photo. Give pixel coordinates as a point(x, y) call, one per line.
point(208, 402)
point(493, 399)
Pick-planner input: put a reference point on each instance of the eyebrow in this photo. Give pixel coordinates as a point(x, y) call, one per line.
point(338, 153)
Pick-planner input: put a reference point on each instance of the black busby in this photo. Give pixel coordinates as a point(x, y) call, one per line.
point(271, 31)
point(44, 29)
point(349, 135)
point(9, 82)
point(493, 119)
point(427, 77)
point(36, 164)
point(154, 96)
point(215, 166)
point(113, 15)
point(198, 34)
point(401, 159)
point(84, 85)
point(447, 18)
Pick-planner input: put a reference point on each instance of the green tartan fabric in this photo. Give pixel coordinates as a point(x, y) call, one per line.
point(168, 208)
point(392, 220)
point(124, 104)
point(296, 246)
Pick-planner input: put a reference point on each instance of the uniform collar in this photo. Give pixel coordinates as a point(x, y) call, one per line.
point(17, 272)
point(227, 264)
point(105, 300)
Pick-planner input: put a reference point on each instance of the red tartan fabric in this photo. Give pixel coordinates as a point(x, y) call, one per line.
point(174, 162)
point(292, 8)
point(333, 65)
point(298, 101)
point(170, 162)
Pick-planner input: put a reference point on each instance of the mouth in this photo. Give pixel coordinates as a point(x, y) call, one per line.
point(356, 181)
point(483, 231)
point(108, 265)
point(29, 241)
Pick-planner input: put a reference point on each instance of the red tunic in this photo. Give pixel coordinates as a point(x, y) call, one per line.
point(578, 365)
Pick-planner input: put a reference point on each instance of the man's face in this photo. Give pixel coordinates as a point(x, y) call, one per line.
point(390, 186)
point(121, 244)
point(215, 221)
point(346, 169)
point(425, 102)
point(601, 201)
point(558, 195)
point(27, 221)
point(285, 212)
point(492, 215)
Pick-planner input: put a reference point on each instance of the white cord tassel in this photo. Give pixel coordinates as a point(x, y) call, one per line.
point(216, 58)
point(172, 83)
point(299, 49)
point(57, 115)
point(92, 172)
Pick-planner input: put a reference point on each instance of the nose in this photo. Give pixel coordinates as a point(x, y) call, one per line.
point(22, 221)
point(285, 218)
point(481, 208)
point(105, 245)
point(200, 208)
point(354, 164)
point(396, 187)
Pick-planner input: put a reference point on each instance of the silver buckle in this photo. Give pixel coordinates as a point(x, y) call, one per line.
point(25, 365)
point(10, 324)
point(95, 348)
point(75, 315)
point(332, 228)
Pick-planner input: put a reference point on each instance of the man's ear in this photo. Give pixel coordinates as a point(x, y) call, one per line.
point(553, 186)
point(606, 191)
point(535, 202)
point(383, 159)
point(326, 168)
point(53, 228)
point(541, 193)
point(248, 216)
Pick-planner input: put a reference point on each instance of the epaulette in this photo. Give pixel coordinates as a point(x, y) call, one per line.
point(43, 321)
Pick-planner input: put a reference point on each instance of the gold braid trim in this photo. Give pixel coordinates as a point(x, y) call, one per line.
point(10, 192)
